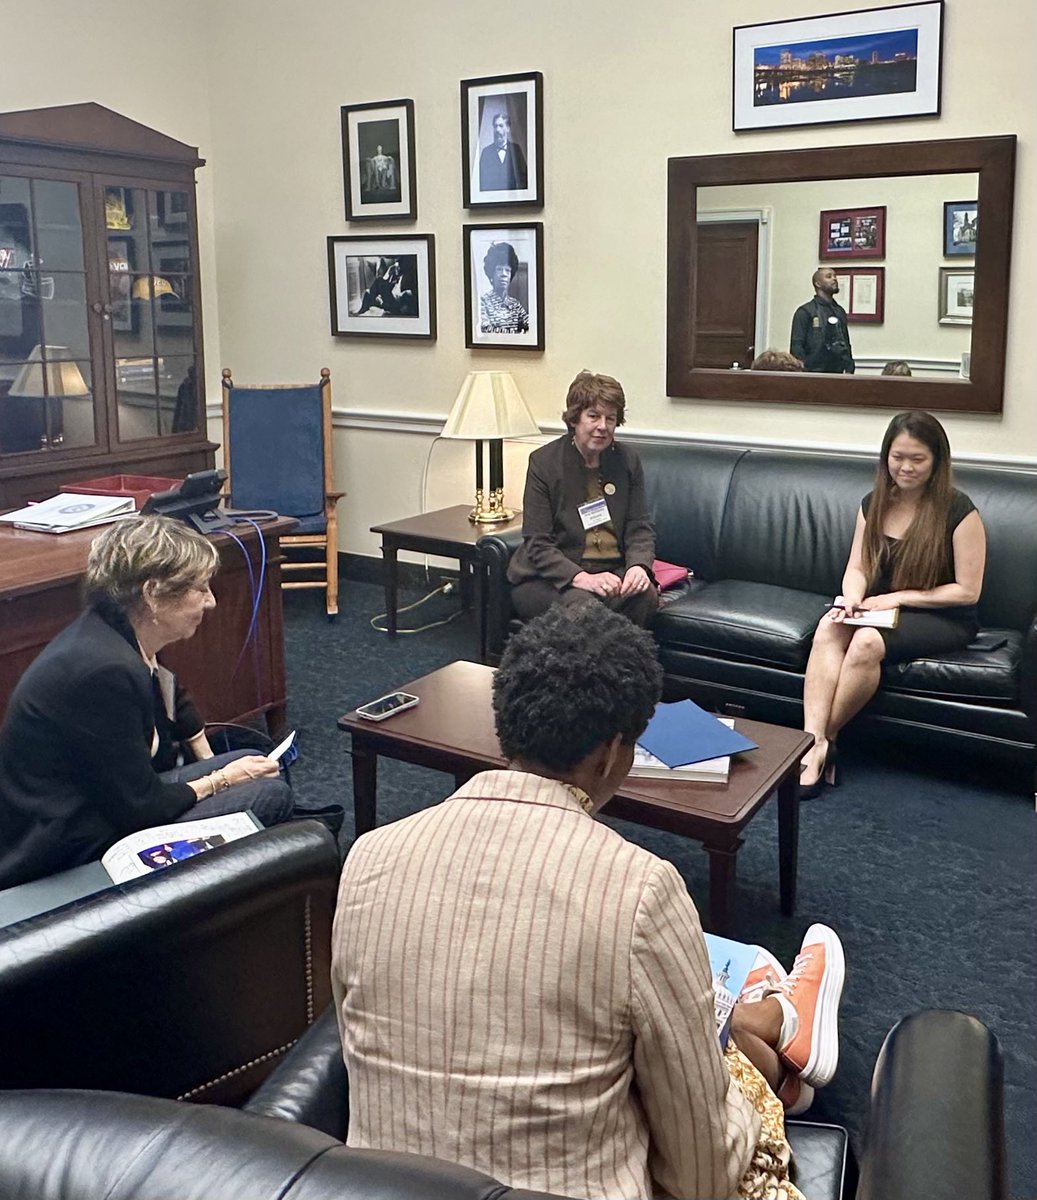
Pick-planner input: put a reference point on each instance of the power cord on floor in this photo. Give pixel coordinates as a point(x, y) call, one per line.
point(444, 588)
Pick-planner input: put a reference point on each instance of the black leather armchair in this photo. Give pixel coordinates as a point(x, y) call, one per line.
point(936, 1133)
point(766, 534)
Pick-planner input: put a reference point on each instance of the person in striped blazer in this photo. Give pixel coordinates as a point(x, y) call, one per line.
point(521, 990)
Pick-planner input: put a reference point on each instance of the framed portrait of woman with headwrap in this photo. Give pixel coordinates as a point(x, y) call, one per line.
point(504, 285)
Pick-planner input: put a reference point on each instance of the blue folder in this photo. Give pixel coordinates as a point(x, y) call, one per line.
point(683, 733)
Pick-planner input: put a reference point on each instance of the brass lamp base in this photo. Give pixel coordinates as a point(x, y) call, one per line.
point(493, 513)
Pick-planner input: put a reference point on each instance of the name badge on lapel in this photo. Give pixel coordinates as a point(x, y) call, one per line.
point(594, 513)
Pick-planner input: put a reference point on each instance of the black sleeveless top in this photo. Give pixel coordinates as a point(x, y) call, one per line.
point(959, 509)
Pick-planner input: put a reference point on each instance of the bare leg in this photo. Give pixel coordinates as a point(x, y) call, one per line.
point(859, 677)
point(756, 1029)
point(824, 668)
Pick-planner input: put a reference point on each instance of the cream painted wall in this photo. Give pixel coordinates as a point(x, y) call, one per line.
point(257, 86)
point(625, 89)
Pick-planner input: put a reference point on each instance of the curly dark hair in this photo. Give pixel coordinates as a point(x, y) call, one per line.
point(570, 680)
point(500, 253)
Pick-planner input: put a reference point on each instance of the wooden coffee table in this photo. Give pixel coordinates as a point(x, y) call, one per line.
point(452, 730)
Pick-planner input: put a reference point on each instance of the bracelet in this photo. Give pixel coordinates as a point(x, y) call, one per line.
point(224, 781)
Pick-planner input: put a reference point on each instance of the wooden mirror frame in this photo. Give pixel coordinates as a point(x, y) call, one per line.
point(993, 158)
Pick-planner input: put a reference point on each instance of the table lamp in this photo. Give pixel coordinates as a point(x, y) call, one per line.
point(489, 407)
point(49, 382)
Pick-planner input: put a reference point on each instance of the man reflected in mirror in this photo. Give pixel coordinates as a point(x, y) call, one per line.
point(820, 335)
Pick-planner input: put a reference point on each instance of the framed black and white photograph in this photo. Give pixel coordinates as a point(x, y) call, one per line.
point(960, 228)
point(504, 285)
point(378, 160)
point(502, 134)
point(957, 292)
point(867, 65)
point(383, 286)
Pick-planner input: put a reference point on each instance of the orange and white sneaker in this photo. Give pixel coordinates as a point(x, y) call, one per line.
point(765, 975)
point(814, 987)
point(795, 1095)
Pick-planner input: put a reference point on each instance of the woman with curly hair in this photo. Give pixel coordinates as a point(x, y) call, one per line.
point(500, 312)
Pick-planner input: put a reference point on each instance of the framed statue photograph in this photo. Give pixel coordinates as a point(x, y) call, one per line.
point(502, 135)
point(383, 285)
point(872, 64)
point(378, 161)
point(504, 285)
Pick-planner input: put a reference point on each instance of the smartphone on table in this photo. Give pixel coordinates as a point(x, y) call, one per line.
point(386, 706)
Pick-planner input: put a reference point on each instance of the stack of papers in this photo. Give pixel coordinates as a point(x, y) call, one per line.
point(878, 618)
point(683, 741)
point(70, 510)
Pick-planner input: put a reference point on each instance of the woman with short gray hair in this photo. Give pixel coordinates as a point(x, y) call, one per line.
point(100, 740)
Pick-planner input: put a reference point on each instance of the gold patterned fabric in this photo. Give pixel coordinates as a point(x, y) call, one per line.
point(767, 1176)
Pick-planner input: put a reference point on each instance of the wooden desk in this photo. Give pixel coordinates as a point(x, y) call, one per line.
point(40, 577)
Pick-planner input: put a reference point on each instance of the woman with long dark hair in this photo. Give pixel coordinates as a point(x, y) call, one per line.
point(919, 545)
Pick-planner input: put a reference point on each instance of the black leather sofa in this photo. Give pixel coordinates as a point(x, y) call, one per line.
point(206, 983)
point(766, 533)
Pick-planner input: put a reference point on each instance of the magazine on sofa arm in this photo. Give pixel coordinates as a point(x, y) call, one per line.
point(162, 845)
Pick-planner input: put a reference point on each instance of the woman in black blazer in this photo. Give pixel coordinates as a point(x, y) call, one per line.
point(96, 726)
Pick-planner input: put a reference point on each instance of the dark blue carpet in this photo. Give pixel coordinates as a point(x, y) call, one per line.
point(925, 867)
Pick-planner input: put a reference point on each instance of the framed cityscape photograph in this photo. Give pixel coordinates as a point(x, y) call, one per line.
point(862, 292)
point(502, 135)
point(867, 65)
point(853, 233)
point(960, 228)
point(383, 286)
point(378, 161)
point(504, 285)
point(957, 292)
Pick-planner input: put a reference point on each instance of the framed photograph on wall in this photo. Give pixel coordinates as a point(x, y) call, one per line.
point(383, 286)
point(856, 66)
point(862, 292)
point(378, 160)
point(960, 228)
point(504, 285)
point(853, 233)
point(957, 290)
point(502, 135)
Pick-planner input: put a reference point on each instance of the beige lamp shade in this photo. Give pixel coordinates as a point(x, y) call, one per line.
point(50, 378)
point(489, 405)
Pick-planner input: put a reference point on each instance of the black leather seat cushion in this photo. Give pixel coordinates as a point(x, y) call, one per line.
point(968, 674)
point(822, 1161)
point(756, 621)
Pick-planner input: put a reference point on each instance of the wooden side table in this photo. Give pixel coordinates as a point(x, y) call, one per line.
point(446, 533)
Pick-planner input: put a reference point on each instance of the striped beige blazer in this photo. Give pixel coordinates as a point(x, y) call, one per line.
point(521, 990)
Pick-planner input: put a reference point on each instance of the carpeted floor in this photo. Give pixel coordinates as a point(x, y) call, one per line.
point(926, 869)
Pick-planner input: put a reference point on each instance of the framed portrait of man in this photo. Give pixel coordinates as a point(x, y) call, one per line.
point(504, 285)
point(502, 133)
point(383, 286)
point(378, 160)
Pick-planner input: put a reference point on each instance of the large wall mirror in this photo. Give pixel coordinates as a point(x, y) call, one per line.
point(918, 233)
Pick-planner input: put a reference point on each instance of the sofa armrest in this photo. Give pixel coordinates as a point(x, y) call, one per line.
point(495, 551)
point(936, 1125)
point(310, 1085)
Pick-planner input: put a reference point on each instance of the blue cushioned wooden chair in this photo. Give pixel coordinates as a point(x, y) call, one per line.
point(277, 454)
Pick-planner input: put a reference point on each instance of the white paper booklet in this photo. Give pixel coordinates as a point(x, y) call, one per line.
point(151, 849)
point(70, 510)
point(879, 618)
point(711, 770)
